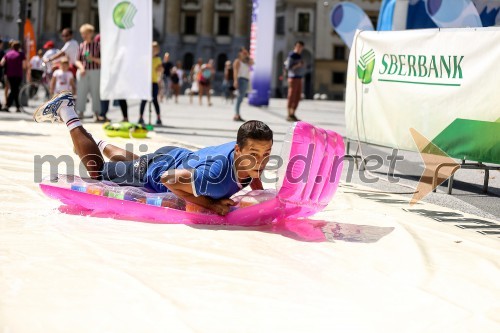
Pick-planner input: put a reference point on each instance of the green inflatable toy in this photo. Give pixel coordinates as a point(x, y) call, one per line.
point(125, 130)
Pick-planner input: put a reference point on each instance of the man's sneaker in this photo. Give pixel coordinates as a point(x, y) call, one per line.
point(158, 122)
point(50, 110)
point(141, 121)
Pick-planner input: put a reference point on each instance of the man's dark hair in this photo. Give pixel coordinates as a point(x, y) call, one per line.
point(69, 30)
point(299, 42)
point(254, 130)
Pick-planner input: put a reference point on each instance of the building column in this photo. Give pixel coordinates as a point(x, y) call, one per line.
point(242, 11)
point(242, 14)
point(206, 39)
point(172, 38)
point(207, 17)
point(173, 16)
point(82, 15)
point(49, 21)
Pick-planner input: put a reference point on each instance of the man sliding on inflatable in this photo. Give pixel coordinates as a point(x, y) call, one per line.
point(207, 177)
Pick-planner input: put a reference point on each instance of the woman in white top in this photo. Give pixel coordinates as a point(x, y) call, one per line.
point(194, 79)
point(241, 70)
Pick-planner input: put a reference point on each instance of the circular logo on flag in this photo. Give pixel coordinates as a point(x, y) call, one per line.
point(123, 15)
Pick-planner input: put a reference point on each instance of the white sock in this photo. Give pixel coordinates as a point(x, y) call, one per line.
point(101, 144)
point(69, 116)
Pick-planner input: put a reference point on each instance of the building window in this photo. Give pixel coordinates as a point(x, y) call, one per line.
point(190, 4)
point(66, 19)
point(224, 5)
point(303, 22)
point(1, 8)
point(223, 25)
point(67, 3)
point(221, 62)
point(190, 24)
point(9, 12)
point(188, 61)
point(338, 52)
point(338, 78)
point(280, 25)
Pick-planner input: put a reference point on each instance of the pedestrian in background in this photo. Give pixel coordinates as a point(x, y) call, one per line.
point(51, 51)
point(205, 76)
point(295, 66)
point(227, 84)
point(14, 62)
point(62, 78)
point(123, 107)
point(193, 76)
point(2, 54)
point(167, 68)
point(241, 77)
point(157, 70)
point(69, 50)
point(36, 67)
point(89, 73)
point(175, 83)
point(5, 81)
point(181, 73)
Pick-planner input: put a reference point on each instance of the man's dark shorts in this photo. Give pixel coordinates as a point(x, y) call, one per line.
point(131, 173)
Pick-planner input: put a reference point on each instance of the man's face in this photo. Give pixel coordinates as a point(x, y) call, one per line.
point(65, 35)
point(251, 159)
point(86, 35)
point(299, 48)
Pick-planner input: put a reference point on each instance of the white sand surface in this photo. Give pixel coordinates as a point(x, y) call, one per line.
point(388, 271)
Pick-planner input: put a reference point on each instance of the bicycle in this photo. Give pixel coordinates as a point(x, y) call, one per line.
point(35, 93)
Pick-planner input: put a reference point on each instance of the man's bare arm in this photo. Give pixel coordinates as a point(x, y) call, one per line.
point(180, 183)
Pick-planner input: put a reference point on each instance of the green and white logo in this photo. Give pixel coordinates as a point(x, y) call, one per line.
point(366, 64)
point(123, 15)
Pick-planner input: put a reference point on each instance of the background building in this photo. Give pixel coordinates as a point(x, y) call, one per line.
point(215, 29)
point(330, 58)
point(9, 12)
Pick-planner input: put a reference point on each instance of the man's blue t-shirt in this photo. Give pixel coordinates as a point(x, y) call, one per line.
point(214, 174)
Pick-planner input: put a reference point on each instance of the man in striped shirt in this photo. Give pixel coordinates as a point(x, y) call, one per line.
point(89, 71)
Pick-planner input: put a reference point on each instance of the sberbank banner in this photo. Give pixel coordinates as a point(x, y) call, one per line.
point(426, 80)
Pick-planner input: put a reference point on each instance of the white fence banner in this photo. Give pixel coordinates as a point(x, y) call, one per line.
point(126, 52)
point(422, 79)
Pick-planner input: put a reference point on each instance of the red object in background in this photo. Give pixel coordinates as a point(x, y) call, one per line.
point(29, 40)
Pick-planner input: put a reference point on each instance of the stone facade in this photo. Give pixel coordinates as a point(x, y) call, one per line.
point(215, 29)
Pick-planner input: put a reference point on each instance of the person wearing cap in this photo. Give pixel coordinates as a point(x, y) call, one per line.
point(51, 51)
point(69, 50)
